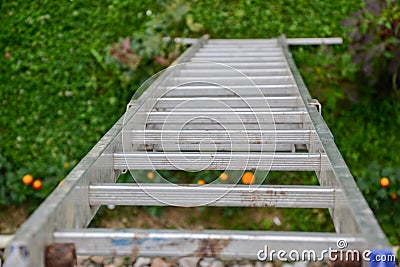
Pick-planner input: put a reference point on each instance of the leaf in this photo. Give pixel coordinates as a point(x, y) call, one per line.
point(392, 40)
point(126, 44)
point(194, 27)
point(98, 58)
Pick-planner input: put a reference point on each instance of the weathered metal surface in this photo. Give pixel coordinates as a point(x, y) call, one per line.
point(192, 161)
point(208, 243)
point(68, 207)
point(224, 195)
point(259, 89)
point(351, 213)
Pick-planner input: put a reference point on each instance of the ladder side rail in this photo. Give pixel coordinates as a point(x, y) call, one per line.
point(67, 207)
point(352, 207)
point(205, 243)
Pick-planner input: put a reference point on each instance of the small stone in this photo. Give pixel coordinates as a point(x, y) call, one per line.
point(268, 264)
point(206, 262)
point(97, 259)
point(300, 264)
point(159, 262)
point(246, 264)
point(188, 261)
point(277, 221)
point(80, 260)
point(315, 264)
point(108, 260)
point(141, 262)
point(118, 261)
point(217, 263)
point(110, 265)
point(171, 261)
point(88, 263)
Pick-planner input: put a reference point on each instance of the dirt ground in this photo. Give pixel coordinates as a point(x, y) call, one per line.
point(269, 219)
point(11, 218)
point(167, 217)
point(188, 218)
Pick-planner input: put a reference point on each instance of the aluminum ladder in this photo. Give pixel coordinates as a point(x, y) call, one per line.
point(230, 105)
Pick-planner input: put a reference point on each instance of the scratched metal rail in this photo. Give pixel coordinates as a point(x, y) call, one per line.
point(229, 105)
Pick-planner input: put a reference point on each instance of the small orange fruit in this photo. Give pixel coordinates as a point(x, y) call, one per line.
point(66, 164)
point(27, 179)
point(384, 182)
point(150, 175)
point(248, 178)
point(61, 182)
point(201, 182)
point(37, 184)
point(393, 196)
point(223, 176)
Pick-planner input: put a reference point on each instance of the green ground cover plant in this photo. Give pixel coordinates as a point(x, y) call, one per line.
point(67, 70)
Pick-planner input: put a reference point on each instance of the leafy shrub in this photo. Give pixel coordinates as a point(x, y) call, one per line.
point(147, 51)
point(328, 73)
point(372, 137)
point(384, 201)
point(375, 45)
point(269, 19)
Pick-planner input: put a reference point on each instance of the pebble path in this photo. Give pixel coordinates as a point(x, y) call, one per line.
point(98, 261)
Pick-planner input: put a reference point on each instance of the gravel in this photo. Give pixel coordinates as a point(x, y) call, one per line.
point(97, 261)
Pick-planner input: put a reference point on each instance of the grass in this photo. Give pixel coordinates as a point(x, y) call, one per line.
point(267, 19)
point(57, 100)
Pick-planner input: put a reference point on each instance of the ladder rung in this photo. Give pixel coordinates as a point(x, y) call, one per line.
point(226, 117)
point(238, 65)
point(216, 126)
point(221, 195)
point(191, 90)
point(239, 59)
point(221, 137)
point(236, 50)
point(264, 111)
point(229, 102)
point(190, 161)
point(241, 46)
point(206, 243)
point(228, 81)
point(228, 72)
point(211, 146)
point(238, 54)
point(242, 41)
